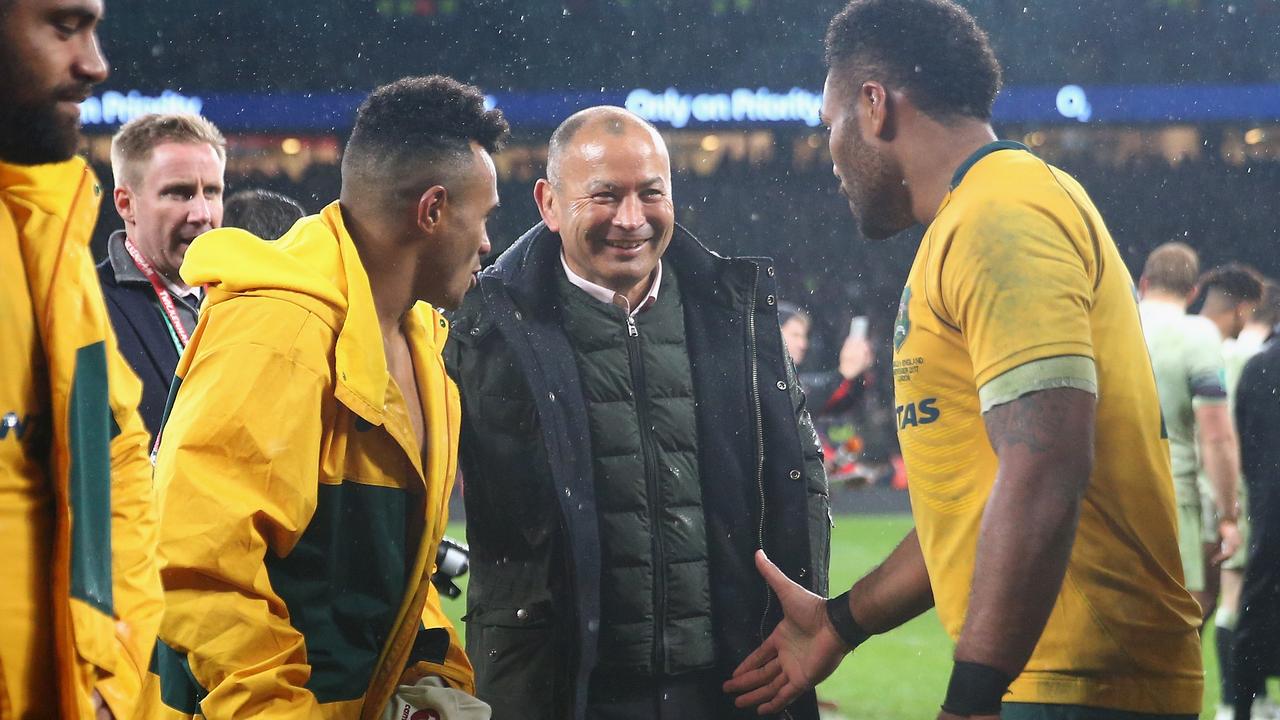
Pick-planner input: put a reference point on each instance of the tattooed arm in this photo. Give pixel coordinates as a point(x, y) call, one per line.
point(1044, 442)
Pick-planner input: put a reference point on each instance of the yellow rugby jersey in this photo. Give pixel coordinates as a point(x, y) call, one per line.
point(1017, 268)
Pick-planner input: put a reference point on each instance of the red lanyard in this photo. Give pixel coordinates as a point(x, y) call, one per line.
point(162, 293)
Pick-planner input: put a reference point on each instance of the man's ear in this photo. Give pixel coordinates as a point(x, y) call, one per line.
point(431, 208)
point(548, 207)
point(123, 200)
point(880, 110)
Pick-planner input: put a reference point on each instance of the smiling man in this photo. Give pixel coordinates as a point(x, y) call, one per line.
point(1045, 530)
point(632, 433)
point(169, 175)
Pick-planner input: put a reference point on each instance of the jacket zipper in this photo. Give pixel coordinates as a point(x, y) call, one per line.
point(755, 399)
point(636, 357)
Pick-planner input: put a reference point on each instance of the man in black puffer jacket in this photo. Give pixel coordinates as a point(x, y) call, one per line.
point(632, 432)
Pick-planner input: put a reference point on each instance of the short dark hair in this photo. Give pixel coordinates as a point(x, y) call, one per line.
point(420, 122)
point(262, 212)
point(1237, 283)
point(931, 49)
point(1268, 310)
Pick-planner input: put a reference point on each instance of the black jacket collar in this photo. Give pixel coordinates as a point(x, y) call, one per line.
point(122, 266)
point(529, 269)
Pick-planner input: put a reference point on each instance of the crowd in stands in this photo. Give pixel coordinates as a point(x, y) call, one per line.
point(510, 44)
point(798, 218)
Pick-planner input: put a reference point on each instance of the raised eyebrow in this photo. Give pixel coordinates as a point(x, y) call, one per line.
point(657, 180)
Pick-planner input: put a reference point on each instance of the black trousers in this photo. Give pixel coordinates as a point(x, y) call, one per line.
point(1257, 642)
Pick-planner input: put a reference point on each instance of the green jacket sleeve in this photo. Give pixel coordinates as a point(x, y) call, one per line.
point(134, 564)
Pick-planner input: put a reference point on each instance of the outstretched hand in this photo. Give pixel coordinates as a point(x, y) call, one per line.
point(800, 652)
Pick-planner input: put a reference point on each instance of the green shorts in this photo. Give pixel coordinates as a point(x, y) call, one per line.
point(1191, 546)
point(1035, 711)
point(1209, 520)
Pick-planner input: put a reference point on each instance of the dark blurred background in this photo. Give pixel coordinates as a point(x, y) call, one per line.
point(1209, 176)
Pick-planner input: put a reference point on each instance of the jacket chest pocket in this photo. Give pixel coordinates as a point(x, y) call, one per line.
point(519, 658)
point(510, 417)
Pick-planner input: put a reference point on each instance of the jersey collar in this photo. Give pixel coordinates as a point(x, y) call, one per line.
point(982, 152)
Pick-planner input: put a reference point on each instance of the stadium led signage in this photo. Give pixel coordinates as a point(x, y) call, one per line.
point(116, 108)
point(740, 105)
point(732, 107)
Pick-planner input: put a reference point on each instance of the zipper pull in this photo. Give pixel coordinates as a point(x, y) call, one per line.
point(632, 330)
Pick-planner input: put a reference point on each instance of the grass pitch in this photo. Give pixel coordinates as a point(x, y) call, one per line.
point(902, 674)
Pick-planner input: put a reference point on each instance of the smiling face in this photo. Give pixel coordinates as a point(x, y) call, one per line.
point(49, 62)
point(871, 179)
point(169, 199)
point(612, 204)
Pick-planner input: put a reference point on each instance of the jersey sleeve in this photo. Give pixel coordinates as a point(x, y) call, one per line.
point(1020, 290)
point(1206, 367)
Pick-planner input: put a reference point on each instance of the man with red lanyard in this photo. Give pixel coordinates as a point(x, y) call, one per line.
point(168, 189)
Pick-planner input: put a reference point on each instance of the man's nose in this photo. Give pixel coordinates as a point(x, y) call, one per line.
point(90, 63)
point(630, 214)
point(200, 211)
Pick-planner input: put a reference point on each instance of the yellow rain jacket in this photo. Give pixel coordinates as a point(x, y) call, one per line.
point(85, 506)
point(303, 519)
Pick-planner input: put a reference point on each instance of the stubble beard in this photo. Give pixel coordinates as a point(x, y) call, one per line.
point(32, 132)
point(881, 202)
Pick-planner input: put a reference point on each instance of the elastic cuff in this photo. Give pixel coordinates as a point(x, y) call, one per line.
point(842, 620)
point(975, 689)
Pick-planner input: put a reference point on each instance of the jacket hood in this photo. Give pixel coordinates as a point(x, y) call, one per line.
point(305, 266)
point(47, 188)
point(316, 266)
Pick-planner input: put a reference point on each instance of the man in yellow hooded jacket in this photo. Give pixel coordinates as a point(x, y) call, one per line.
point(81, 600)
point(310, 444)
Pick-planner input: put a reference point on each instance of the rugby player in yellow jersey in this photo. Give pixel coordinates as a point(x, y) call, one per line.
point(1045, 531)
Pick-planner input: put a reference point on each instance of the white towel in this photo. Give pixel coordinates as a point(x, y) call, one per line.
point(431, 699)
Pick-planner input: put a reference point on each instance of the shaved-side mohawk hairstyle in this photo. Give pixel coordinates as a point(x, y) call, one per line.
point(428, 118)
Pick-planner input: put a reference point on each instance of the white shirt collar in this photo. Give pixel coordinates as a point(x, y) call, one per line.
point(605, 295)
point(193, 292)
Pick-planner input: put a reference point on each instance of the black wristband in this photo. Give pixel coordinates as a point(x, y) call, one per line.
point(842, 620)
point(975, 689)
